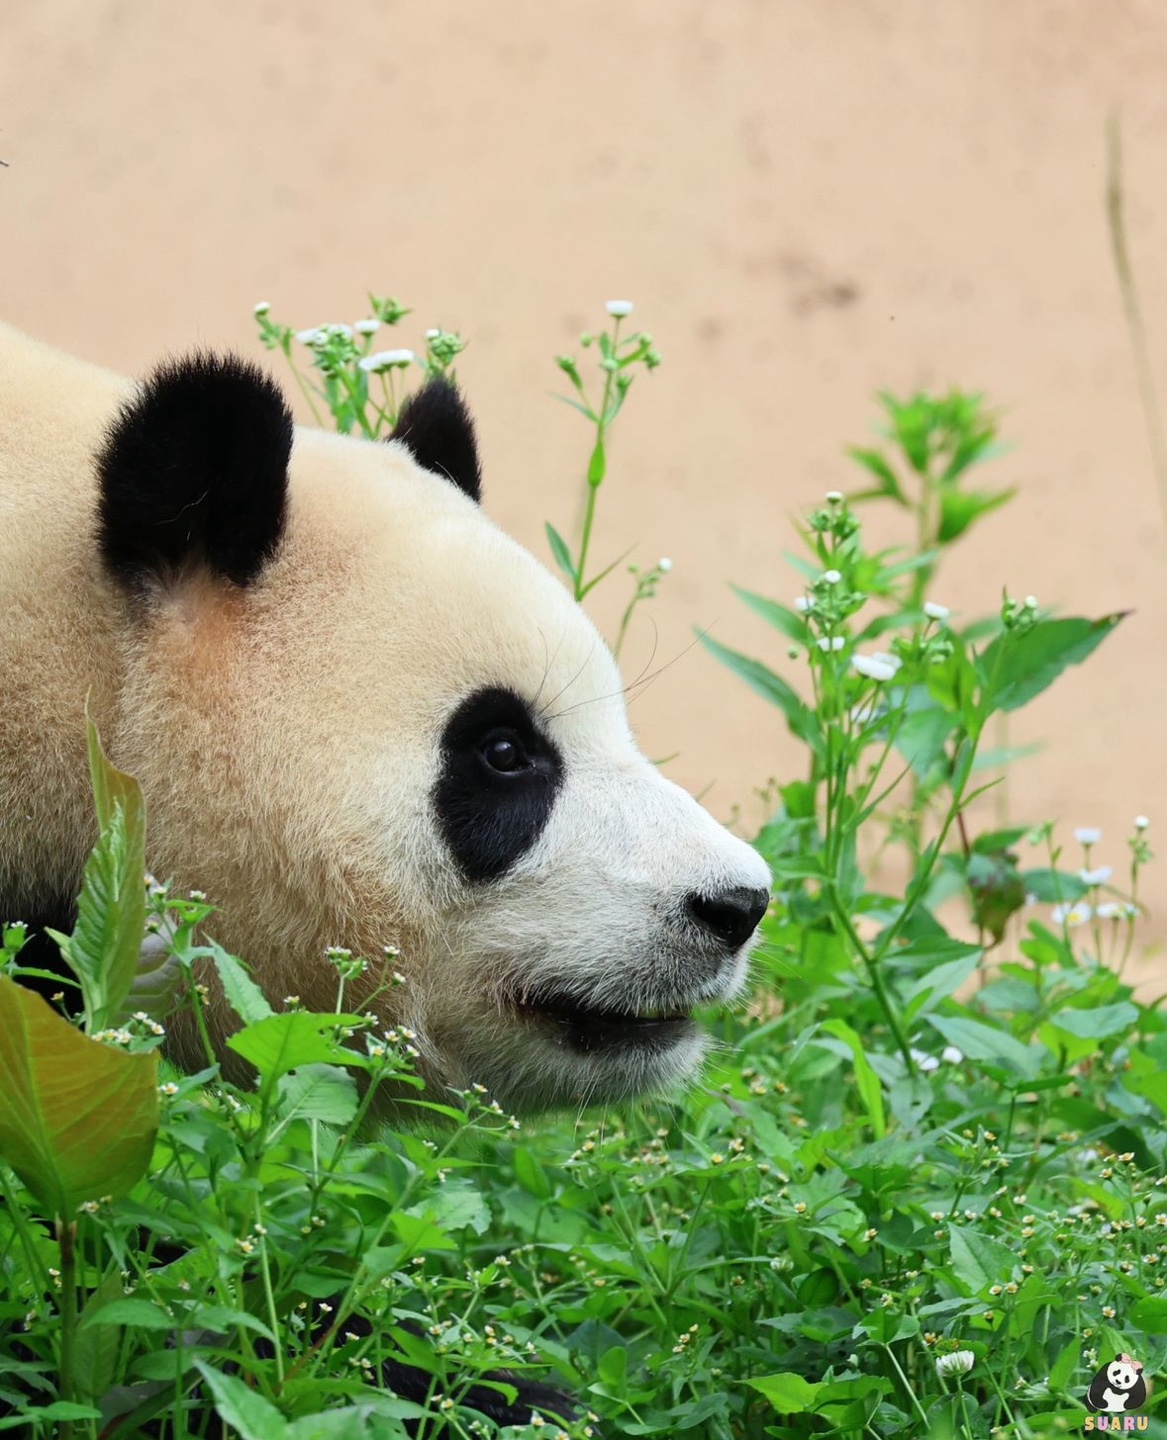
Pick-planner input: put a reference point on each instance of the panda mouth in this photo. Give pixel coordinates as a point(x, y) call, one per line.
point(594, 1029)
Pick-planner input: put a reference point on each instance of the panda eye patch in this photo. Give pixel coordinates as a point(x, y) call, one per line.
point(504, 752)
point(500, 774)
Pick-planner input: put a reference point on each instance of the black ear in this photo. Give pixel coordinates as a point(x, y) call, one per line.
point(194, 472)
point(436, 428)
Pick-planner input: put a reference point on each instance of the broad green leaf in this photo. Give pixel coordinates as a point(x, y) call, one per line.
point(283, 1042)
point(141, 1314)
point(1098, 1023)
point(979, 1261)
point(983, 1042)
point(242, 1407)
point(111, 910)
point(318, 1092)
point(866, 1080)
point(95, 1351)
point(454, 1207)
point(560, 551)
point(787, 1391)
point(1016, 666)
point(1054, 887)
point(1150, 1315)
point(77, 1118)
point(802, 720)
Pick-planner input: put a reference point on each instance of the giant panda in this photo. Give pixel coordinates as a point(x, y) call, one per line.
point(361, 716)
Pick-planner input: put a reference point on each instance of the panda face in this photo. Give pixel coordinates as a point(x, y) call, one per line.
point(383, 723)
point(1121, 1376)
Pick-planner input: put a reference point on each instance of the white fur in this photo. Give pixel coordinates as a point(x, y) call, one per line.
point(287, 739)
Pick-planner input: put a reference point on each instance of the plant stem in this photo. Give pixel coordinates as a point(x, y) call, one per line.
point(594, 485)
point(66, 1232)
point(1133, 311)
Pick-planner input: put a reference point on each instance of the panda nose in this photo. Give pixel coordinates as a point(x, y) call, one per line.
point(730, 915)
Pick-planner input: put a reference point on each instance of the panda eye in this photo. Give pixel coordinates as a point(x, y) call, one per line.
point(504, 752)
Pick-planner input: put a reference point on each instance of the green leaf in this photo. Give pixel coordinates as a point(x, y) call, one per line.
point(979, 1261)
point(454, 1207)
point(1150, 1315)
point(788, 1392)
point(77, 1118)
point(1098, 1023)
point(560, 551)
point(140, 1314)
point(961, 508)
point(801, 719)
point(243, 994)
point(866, 1080)
point(885, 476)
point(1016, 666)
point(318, 1092)
point(283, 1042)
point(597, 466)
point(111, 910)
point(783, 619)
point(95, 1351)
point(983, 1042)
point(242, 1407)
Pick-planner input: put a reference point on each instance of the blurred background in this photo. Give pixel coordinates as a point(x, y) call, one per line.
point(806, 202)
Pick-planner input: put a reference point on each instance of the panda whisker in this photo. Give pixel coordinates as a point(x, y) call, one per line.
point(634, 688)
point(563, 691)
point(548, 660)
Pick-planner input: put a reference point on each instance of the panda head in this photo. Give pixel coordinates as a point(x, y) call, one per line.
point(363, 716)
point(1121, 1374)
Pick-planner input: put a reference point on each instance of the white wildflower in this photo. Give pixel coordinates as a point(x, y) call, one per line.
point(803, 603)
point(1141, 822)
point(1031, 602)
point(1087, 835)
point(619, 308)
point(951, 1055)
point(959, 1362)
point(310, 337)
point(936, 612)
point(386, 360)
point(1098, 876)
point(831, 577)
point(925, 1061)
point(1071, 915)
point(432, 333)
point(262, 307)
point(367, 327)
point(664, 564)
point(834, 497)
point(1111, 910)
point(831, 642)
point(876, 667)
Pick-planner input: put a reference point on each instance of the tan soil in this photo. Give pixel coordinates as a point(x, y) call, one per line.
point(807, 201)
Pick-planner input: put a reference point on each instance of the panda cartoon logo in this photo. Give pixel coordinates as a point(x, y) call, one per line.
point(1119, 1386)
point(361, 716)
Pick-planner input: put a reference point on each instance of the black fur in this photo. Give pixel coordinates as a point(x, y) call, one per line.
point(40, 951)
point(490, 819)
point(436, 428)
point(194, 472)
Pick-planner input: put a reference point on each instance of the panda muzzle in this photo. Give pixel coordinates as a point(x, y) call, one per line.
point(592, 1029)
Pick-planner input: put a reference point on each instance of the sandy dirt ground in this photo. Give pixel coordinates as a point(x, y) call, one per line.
point(806, 201)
